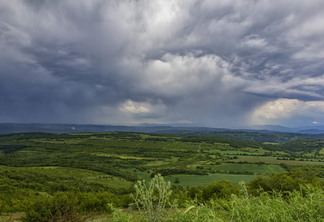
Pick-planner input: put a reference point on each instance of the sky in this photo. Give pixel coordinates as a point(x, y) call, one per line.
point(214, 63)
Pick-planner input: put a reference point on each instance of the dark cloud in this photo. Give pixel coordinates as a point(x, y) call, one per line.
point(212, 63)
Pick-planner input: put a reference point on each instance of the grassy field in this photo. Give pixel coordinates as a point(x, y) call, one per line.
point(247, 168)
point(122, 157)
point(66, 175)
point(111, 153)
point(321, 151)
point(99, 167)
point(202, 180)
point(274, 160)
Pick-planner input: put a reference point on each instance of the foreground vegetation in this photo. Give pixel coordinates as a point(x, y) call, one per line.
point(78, 177)
point(220, 201)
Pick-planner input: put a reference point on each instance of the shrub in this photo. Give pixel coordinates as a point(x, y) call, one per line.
point(305, 205)
point(119, 216)
point(151, 199)
point(284, 182)
point(61, 207)
point(219, 189)
point(201, 213)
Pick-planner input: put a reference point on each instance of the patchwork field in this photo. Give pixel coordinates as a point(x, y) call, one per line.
point(203, 180)
point(111, 154)
point(96, 169)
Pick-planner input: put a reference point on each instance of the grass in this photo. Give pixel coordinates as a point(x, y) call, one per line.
point(16, 217)
point(197, 180)
point(44, 163)
point(122, 157)
point(67, 173)
point(304, 205)
point(252, 168)
point(141, 174)
point(235, 152)
point(274, 160)
point(156, 163)
point(202, 180)
point(298, 206)
point(321, 151)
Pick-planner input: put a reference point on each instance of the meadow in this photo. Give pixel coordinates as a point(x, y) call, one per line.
point(99, 170)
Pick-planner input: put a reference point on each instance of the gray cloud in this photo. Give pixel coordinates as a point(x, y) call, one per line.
point(212, 63)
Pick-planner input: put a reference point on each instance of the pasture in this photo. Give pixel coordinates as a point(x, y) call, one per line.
point(194, 160)
point(92, 170)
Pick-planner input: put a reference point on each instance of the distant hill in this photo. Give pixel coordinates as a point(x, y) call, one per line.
point(6, 128)
point(266, 134)
point(315, 129)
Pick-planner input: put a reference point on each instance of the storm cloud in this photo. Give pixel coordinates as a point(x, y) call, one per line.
point(225, 63)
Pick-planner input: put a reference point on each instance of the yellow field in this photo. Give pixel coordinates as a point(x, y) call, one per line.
point(123, 157)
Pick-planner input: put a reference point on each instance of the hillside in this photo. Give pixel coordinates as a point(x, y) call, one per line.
point(106, 165)
point(261, 135)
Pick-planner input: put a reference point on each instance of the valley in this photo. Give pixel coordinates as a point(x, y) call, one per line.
point(35, 165)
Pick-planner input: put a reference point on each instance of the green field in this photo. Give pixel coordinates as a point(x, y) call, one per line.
point(246, 168)
point(58, 178)
point(111, 153)
point(321, 151)
point(275, 160)
point(101, 168)
point(202, 180)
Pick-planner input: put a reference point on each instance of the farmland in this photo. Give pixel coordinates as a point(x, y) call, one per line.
point(35, 165)
point(148, 154)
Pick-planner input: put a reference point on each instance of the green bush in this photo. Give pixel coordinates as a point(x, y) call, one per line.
point(305, 205)
point(69, 206)
point(284, 182)
point(119, 216)
point(195, 193)
point(301, 205)
point(219, 189)
point(61, 207)
point(151, 199)
point(201, 213)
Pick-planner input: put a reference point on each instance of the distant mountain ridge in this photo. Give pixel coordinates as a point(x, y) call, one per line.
point(254, 133)
point(6, 128)
point(315, 129)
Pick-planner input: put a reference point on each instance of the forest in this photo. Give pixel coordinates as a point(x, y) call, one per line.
point(126, 176)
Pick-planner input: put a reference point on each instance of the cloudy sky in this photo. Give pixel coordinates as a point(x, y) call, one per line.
point(216, 63)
